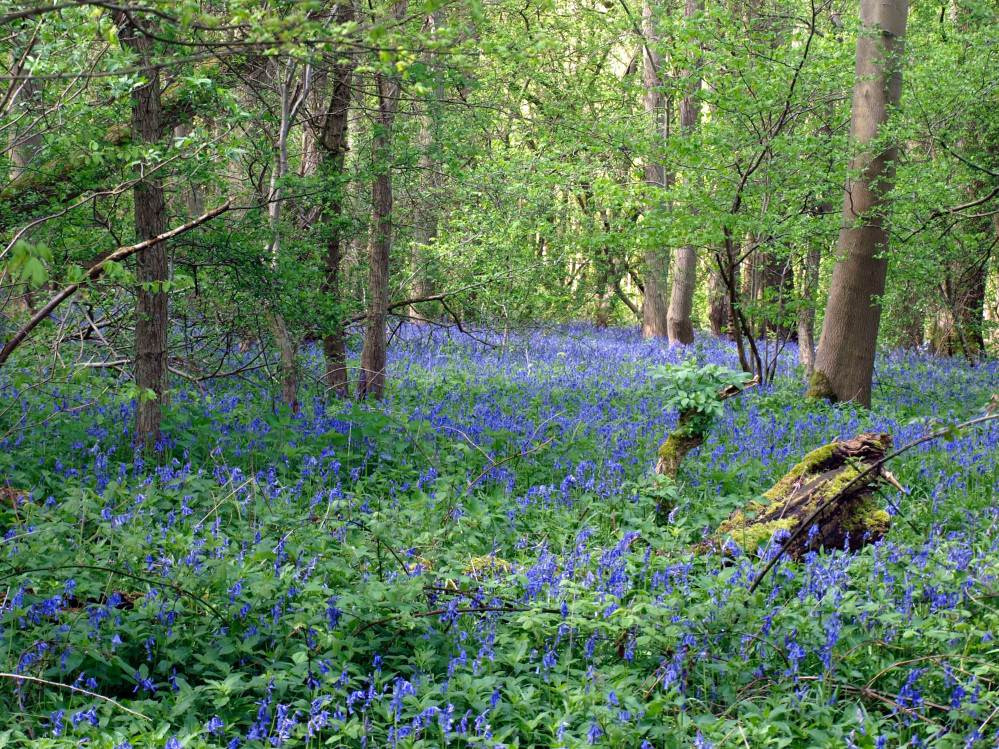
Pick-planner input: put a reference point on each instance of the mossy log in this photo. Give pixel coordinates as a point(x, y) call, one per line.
point(851, 520)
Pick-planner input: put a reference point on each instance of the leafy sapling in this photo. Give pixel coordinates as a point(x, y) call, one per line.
point(697, 392)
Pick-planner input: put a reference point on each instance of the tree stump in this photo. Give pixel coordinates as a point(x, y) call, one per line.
point(851, 521)
point(686, 437)
point(680, 442)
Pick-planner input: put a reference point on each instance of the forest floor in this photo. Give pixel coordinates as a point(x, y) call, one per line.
point(476, 562)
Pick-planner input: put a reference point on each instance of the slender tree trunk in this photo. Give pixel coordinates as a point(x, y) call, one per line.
point(293, 92)
point(844, 364)
point(426, 208)
point(152, 266)
point(656, 258)
point(911, 318)
point(717, 303)
point(332, 140)
point(374, 353)
point(191, 195)
point(681, 300)
point(806, 313)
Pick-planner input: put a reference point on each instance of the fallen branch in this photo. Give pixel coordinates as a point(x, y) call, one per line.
point(855, 519)
point(48, 683)
point(96, 271)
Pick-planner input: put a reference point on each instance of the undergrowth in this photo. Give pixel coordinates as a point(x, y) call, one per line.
point(476, 562)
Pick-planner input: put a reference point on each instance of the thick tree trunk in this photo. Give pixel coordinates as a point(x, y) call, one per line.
point(331, 143)
point(656, 263)
point(681, 300)
point(844, 364)
point(374, 354)
point(152, 266)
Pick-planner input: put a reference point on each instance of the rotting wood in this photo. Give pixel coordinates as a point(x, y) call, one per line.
point(853, 520)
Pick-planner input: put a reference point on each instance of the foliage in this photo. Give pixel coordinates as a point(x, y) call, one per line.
point(317, 579)
point(696, 390)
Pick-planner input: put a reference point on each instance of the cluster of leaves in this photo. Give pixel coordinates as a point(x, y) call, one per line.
point(696, 390)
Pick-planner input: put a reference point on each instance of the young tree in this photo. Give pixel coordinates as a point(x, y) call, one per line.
point(331, 130)
point(681, 300)
point(654, 304)
point(844, 363)
point(374, 354)
point(152, 315)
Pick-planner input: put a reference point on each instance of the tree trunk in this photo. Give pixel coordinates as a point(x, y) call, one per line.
point(681, 300)
point(374, 354)
point(191, 194)
point(152, 266)
point(806, 313)
point(717, 303)
point(24, 139)
point(332, 133)
point(844, 364)
point(287, 350)
point(777, 292)
point(656, 262)
point(426, 208)
point(293, 92)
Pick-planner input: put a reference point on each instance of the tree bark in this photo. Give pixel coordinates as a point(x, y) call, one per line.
point(717, 304)
point(806, 312)
point(852, 518)
point(681, 300)
point(152, 266)
point(654, 311)
point(332, 146)
point(374, 353)
point(844, 364)
point(426, 208)
point(293, 92)
point(25, 140)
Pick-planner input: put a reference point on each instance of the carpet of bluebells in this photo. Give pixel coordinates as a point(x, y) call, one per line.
point(477, 561)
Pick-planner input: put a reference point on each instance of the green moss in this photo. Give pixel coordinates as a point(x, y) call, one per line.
point(802, 472)
point(820, 387)
point(867, 517)
point(668, 450)
point(675, 449)
point(478, 565)
point(751, 537)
